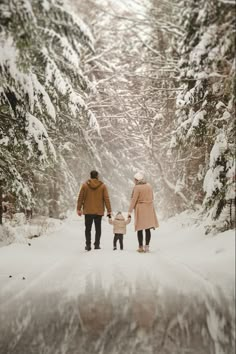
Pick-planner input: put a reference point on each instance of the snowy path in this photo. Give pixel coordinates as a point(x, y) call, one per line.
point(176, 299)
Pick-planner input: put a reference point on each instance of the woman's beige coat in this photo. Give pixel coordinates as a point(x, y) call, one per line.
point(119, 224)
point(142, 203)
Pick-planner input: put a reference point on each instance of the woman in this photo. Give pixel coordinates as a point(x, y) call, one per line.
point(144, 217)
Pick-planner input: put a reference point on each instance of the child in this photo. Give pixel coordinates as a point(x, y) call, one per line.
point(119, 228)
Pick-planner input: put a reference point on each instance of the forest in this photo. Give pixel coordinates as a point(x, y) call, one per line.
point(118, 86)
point(142, 94)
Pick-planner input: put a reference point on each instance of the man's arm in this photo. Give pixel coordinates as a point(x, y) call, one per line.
point(80, 200)
point(106, 199)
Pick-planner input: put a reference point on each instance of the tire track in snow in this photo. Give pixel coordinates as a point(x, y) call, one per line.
point(204, 280)
point(214, 302)
point(38, 279)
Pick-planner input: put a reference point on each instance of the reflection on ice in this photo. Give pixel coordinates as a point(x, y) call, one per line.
point(121, 320)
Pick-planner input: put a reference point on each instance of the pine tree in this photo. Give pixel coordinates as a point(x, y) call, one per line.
point(43, 47)
point(205, 105)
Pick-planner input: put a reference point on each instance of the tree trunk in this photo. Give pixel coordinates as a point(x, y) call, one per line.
point(1, 210)
point(54, 196)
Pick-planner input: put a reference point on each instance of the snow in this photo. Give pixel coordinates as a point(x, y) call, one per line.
point(220, 105)
point(80, 23)
point(93, 123)
point(188, 98)
point(27, 84)
point(229, 2)
point(180, 252)
point(46, 5)
point(212, 257)
point(37, 131)
point(218, 149)
point(40, 90)
point(4, 141)
point(69, 53)
point(230, 175)
point(27, 9)
point(199, 116)
point(226, 115)
point(184, 271)
point(212, 181)
point(201, 76)
point(54, 75)
point(21, 231)
point(202, 47)
point(173, 142)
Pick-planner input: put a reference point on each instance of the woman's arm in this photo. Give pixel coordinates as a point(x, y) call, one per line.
point(128, 221)
point(134, 199)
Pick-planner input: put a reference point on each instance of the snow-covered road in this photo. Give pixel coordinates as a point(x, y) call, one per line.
point(57, 298)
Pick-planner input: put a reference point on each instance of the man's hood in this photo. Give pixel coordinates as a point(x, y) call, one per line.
point(94, 183)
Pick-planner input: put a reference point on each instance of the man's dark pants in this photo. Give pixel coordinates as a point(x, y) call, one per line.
point(89, 219)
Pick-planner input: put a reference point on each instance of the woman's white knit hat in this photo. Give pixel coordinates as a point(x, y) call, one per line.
point(139, 176)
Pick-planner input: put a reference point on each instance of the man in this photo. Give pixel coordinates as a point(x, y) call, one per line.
point(92, 200)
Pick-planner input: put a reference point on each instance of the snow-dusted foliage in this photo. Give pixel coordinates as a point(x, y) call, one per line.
point(43, 45)
point(162, 95)
point(156, 96)
point(133, 80)
point(203, 140)
point(114, 80)
point(219, 184)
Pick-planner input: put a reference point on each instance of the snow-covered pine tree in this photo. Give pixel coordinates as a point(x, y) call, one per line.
point(219, 185)
point(205, 106)
point(43, 46)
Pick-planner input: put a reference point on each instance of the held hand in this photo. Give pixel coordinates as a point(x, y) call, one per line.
point(109, 216)
point(79, 212)
point(129, 215)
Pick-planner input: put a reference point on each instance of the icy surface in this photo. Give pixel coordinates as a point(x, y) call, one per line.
point(179, 298)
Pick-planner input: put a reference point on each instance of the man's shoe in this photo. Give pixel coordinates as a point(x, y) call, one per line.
point(97, 247)
point(87, 248)
point(114, 248)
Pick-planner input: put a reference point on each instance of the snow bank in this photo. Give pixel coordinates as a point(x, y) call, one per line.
point(19, 230)
point(182, 239)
